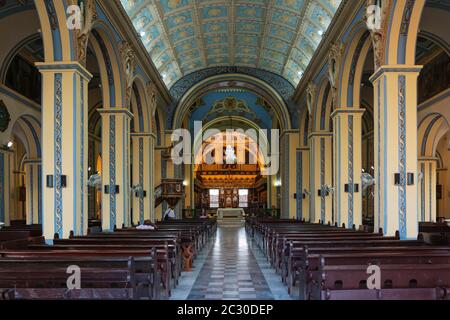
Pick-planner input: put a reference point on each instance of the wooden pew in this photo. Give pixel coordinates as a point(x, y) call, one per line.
point(144, 261)
point(33, 280)
point(398, 281)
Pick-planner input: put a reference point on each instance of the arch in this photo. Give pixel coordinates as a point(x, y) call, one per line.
point(401, 33)
point(323, 106)
point(107, 54)
point(13, 52)
point(355, 54)
point(30, 127)
point(58, 39)
point(236, 81)
point(141, 106)
point(430, 130)
point(222, 123)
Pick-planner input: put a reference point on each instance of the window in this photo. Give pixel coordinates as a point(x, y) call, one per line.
point(243, 198)
point(214, 198)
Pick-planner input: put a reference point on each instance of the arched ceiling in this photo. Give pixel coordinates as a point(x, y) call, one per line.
point(183, 36)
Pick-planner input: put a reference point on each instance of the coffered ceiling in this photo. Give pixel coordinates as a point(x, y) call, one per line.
point(183, 36)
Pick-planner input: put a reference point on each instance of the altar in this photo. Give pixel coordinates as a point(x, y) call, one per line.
point(230, 217)
point(236, 213)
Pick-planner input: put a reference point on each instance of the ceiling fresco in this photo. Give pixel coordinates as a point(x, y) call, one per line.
point(183, 36)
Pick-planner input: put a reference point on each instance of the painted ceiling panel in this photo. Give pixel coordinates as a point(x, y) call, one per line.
point(183, 36)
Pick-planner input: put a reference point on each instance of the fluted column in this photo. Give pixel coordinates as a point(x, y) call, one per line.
point(427, 189)
point(33, 168)
point(143, 175)
point(289, 143)
point(321, 205)
point(64, 151)
point(347, 166)
point(115, 167)
point(396, 174)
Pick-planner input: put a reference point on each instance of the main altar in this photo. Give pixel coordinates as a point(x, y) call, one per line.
point(230, 216)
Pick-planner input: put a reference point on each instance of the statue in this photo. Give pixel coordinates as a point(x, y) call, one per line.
point(95, 181)
point(367, 180)
point(230, 155)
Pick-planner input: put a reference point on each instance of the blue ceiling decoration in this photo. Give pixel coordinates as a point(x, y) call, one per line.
point(219, 104)
point(184, 36)
point(283, 87)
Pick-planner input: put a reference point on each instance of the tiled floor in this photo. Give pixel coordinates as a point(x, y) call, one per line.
point(232, 267)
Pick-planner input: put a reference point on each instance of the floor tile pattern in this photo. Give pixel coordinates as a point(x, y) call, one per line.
point(234, 269)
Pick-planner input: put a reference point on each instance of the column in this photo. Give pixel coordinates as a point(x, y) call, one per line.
point(6, 185)
point(289, 140)
point(427, 189)
point(116, 191)
point(303, 189)
point(33, 169)
point(347, 166)
point(143, 175)
point(396, 174)
point(321, 177)
point(64, 152)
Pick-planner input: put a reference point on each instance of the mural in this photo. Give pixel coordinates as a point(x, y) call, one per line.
point(183, 36)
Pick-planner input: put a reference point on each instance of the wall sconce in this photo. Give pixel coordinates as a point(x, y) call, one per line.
point(107, 189)
point(348, 188)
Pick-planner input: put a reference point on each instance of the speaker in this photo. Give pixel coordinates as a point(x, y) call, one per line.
point(49, 180)
point(397, 179)
point(107, 189)
point(410, 179)
point(64, 181)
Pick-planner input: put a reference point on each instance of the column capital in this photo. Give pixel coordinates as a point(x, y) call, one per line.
point(347, 111)
point(400, 69)
point(115, 111)
point(32, 161)
point(428, 159)
point(143, 135)
point(64, 66)
point(321, 134)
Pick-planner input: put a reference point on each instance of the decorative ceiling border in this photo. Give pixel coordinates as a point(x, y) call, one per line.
point(280, 84)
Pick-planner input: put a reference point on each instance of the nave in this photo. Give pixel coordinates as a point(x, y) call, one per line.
point(231, 267)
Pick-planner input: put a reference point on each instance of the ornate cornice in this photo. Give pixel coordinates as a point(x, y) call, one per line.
point(281, 85)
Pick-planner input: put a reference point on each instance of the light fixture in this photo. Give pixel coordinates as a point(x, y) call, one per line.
point(89, 169)
point(320, 32)
point(300, 73)
point(142, 33)
point(10, 144)
point(185, 183)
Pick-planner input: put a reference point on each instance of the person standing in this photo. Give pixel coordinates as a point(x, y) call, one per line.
point(169, 214)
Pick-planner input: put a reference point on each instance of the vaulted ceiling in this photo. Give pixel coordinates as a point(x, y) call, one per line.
point(183, 36)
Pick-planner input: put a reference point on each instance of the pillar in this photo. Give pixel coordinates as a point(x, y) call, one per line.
point(143, 175)
point(427, 189)
point(303, 189)
point(288, 165)
point(33, 169)
point(64, 155)
point(347, 166)
point(115, 168)
point(6, 185)
point(395, 115)
point(321, 176)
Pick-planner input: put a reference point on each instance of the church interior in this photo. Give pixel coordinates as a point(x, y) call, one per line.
point(225, 149)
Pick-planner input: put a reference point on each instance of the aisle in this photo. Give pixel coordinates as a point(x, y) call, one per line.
point(231, 268)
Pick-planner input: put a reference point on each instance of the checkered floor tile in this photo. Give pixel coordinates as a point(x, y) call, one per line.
point(232, 270)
